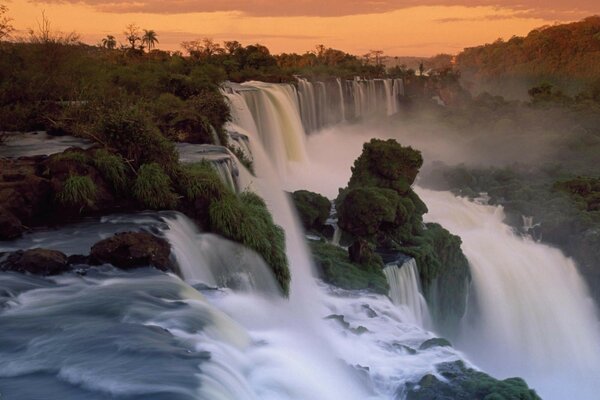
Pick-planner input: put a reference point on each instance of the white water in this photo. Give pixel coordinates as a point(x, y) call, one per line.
point(533, 315)
point(405, 290)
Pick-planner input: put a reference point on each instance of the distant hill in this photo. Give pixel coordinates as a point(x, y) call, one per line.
point(567, 56)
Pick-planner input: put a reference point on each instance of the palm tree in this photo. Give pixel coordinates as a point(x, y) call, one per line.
point(109, 42)
point(150, 39)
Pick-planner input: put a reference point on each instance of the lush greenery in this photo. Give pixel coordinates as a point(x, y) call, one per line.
point(382, 213)
point(313, 209)
point(78, 191)
point(152, 188)
point(463, 383)
point(567, 55)
point(335, 267)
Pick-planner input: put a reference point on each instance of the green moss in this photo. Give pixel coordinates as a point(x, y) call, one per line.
point(336, 268)
point(246, 219)
point(462, 383)
point(112, 168)
point(312, 208)
point(152, 188)
point(78, 191)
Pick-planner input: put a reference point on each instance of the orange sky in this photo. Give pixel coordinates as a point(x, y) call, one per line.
point(399, 27)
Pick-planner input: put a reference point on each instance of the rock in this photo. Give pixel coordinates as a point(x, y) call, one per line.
point(360, 251)
point(128, 250)
point(435, 342)
point(463, 383)
point(10, 226)
point(36, 261)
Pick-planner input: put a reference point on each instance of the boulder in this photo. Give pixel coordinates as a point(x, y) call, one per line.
point(36, 261)
point(10, 225)
point(435, 342)
point(128, 250)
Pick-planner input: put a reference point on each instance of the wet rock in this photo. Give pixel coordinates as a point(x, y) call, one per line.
point(128, 250)
point(36, 261)
point(10, 225)
point(435, 342)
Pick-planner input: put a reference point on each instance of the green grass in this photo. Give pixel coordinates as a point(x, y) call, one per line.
point(78, 191)
point(152, 188)
point(112, 168)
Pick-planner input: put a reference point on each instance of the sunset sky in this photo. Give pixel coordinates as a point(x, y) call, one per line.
point(398, 27)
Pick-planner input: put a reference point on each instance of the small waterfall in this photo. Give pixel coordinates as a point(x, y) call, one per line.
point(405, 290)
point(221, 159)
point(342, 101)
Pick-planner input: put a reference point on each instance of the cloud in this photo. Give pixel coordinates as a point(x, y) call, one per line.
point(557, 9)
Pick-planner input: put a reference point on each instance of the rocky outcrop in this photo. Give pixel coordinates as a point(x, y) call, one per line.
point(128, 250)
point(10, 225)
point(36, 261)
point(462, 383)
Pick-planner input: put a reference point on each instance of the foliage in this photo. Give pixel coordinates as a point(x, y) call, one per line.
point(78, 191)
point(112, 168)
point(152, 188)
point(335, 268)
point(131, 131)
point(363, 211)
point(312, 208)
point(246, 219)
point(567, 55)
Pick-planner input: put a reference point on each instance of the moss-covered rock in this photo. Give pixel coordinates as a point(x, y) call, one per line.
point(313, 209)
point(461, 383)
point(380, 208)
point(335, 268)
point(246, 219)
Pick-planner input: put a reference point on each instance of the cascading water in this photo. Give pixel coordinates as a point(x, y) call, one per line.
point(405, 290)
point(532, 315)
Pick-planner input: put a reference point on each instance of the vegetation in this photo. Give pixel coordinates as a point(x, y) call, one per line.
point(335, 267)
point(246, 219)
point(462, 383)
point(313, 209)
point(567, 55)
point(381, 211)
point(112, 168)
point(152, 188)
point(78, 191)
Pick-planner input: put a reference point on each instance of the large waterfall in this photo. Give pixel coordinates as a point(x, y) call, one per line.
point(531, 314)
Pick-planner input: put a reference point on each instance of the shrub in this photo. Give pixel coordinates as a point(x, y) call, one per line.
point(75, 156)
point(362, 211)
point(312, 208)
point(152, 188)
point(78, 191)
point(131, 132)
point(112, 168)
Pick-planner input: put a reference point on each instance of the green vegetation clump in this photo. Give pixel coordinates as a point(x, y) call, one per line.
point(131, 131)
point(152, 188)
point(112, 168)
point(78, 191)
point(463, 383)
point(336, 268)
point(246, 219)
point(380, 209)
point(75, 156)
point(313, 209)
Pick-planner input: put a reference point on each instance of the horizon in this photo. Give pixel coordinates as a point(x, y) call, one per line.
point(398, 28)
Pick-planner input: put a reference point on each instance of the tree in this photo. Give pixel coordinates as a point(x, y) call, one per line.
point(150, 39)
point(5, 22)
point(377, 54)
point(132, 35)
point(232, 46)
point(109, 42)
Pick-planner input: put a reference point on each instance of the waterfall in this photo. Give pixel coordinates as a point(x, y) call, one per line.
point(219, 157)
point(532, 315)
point(405, 290)
point(342, 101)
